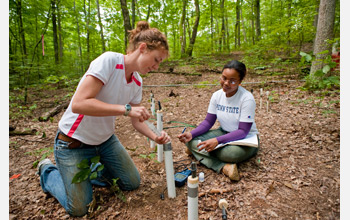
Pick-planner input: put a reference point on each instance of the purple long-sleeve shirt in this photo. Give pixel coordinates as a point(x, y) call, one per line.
point(240, 133)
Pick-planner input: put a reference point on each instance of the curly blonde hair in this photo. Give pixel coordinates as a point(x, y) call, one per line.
point(143, 33)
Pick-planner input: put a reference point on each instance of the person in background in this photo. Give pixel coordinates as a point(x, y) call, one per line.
point(111, 87)
point(234, 108)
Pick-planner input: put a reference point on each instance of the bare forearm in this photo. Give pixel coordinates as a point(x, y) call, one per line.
point(143, 129)
point(94, 107)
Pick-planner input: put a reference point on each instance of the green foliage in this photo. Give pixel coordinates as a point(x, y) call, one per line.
point(150, 156)
point(321, 78)
point(85, 169)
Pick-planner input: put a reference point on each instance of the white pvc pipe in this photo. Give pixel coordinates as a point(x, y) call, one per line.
point(261, 94)
point(267, 101)
point(160, 128)
point(153, 108)
point(192, 198)
point(152, 143)
point(169, 169)
point(169, 166)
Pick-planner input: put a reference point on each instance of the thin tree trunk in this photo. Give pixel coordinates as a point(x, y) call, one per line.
point(183, 28)
point(87, 19)
point(238, 25)
point(21, 29)
point(252, 23)
point(59, 32)
point(223, 31)
point(133, 13)
point(54, 30)
point(127, 25)
point(195, 27)
point(227, 34)
point(243, 28)
point(138, 10)
point(101, 26)
point(211, 26)
point(148, 12)
point(79, 41)
point(325, 26)
point(257, 17)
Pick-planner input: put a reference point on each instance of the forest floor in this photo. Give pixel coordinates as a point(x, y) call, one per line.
point(295, 175)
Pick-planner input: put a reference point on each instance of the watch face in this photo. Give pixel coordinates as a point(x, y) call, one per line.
point(128, 107)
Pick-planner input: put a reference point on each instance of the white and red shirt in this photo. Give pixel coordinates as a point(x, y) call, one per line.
point(232, 110)
point(110, 69)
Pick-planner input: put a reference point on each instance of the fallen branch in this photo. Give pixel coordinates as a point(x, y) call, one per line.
point(54, 111)
point(30, 132)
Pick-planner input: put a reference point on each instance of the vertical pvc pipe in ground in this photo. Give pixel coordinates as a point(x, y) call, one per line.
point(152, 144)
point(261, 94)
point(160, 128)
point(169, 169)
point(169, 166)
point(192, 197)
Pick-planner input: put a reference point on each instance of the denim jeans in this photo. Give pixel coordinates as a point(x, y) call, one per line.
point(218, 158)
point(74, 197)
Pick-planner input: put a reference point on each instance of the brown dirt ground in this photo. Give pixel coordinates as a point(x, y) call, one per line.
point(295, 175)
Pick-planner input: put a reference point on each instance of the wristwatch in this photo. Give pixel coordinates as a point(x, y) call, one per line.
point(127, 109)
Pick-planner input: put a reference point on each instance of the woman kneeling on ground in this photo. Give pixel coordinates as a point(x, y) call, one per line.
point(234, 107)
point(111, 87)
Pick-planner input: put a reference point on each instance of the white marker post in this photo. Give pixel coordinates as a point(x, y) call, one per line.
point(267, 101)
point(160, 128)
point(223, 206)
point(192, 194)
point(261, 94)
point(169, 166)
point(152, 112)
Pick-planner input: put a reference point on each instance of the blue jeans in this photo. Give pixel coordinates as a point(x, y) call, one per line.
point(74, 197)
point(218, 158)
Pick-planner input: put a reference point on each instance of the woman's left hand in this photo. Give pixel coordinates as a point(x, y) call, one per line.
point(208, 145)
point(163, 139)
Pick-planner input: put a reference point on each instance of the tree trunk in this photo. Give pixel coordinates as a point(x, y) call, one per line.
point(54, 30)
point(79, 41)
point(257, 21)
point(133, 13)
point(87, 20)
point(183, 28)
point(238, 25)
point(252, 23)
point(324, 32)
point(138, 11)
point(243, 28)
point(195, 27)
point(211, 26)
point(127, 25)
point(59, 32)
point(223, 31)
point(21, 29)
point(148, 12)
point(101, 26)
point(227, 34)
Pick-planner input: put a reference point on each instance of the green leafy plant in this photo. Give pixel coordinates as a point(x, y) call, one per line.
point(86, 171)
point(321, 78)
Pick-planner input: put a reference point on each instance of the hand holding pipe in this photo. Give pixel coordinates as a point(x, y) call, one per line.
point(169, 167)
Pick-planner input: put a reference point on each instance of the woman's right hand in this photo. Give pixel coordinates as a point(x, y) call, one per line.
point(185, 137)
point(139, 112)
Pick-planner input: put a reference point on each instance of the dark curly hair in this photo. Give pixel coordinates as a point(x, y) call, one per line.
point(238, 66)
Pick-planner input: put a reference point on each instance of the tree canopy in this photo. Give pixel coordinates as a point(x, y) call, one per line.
point(52, 40)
